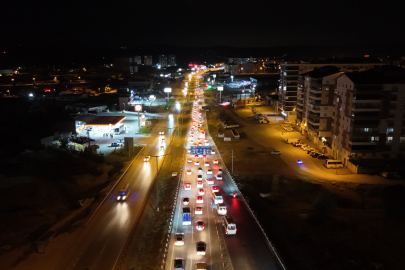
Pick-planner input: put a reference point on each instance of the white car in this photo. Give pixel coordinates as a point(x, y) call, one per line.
point(186, 201)
point(207, 144)
point(210, 181)
point(187, 186)
point(199, 177)
point(188, 172)
point(200, 184)
point(219, 171)
point(215, 161)
point(219, 176)
point(199, 199)
point(200, 170)
point(189, 160)
point(206, 164)
point(276, 152)
point(197, 163)
point(198, 210)
point(162, 148)
point(201, 191)
point(146, 158)
point(212, 152)
point(209, 171)
point(179, 239)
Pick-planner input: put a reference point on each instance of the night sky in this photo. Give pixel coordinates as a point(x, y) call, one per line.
point(202, 23)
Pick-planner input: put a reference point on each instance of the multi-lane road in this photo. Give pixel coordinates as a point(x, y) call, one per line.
point(247, 248)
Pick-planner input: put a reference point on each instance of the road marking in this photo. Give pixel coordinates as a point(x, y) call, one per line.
point(105, 246)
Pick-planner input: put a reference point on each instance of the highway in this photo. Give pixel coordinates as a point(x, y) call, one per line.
point(247, 249)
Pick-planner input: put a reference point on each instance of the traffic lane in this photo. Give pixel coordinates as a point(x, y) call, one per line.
point(248, 247)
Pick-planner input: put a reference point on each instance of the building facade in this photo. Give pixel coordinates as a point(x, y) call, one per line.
point(163, 60)
point(290, 71)
point(172, 60)
point(369, 115)
point(147, 60)
point(315, 103)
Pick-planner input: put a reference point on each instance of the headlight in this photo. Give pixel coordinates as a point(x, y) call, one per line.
point(118, 198)
point(124, 197)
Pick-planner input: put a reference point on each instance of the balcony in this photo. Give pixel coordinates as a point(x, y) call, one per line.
point(314, 108)
point(364, 130)
point(314, 122)
point(370, 107)
point(315, 96)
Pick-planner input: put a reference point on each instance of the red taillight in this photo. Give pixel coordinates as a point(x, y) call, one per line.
point(203, 227)
point(236, 230)
point(227, 230)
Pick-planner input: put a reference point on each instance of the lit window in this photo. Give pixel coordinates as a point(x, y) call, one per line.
point(390, 130)
point(401, 139)
point(389, 139)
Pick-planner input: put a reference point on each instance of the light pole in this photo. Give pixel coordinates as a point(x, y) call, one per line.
point(124, 106)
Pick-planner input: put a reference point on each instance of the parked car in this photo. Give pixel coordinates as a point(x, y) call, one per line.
point(323, 157)
point(316, 155)
point(276, 152)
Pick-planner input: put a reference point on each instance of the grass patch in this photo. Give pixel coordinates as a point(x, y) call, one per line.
point(169, 104)
point(146, 129)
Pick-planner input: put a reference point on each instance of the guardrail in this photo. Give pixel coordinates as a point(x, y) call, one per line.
point(268, 242)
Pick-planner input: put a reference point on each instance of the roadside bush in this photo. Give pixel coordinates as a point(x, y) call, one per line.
point(117, 167)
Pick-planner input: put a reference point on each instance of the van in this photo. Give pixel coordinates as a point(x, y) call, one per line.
point(123, 194)
point(217, 198)
point(221, 209)
point(229, 224)
point(333, 164)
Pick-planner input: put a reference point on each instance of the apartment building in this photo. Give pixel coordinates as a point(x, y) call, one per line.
point(290, 71)
point(315, 102)
point(162, 60)
point(369, 114)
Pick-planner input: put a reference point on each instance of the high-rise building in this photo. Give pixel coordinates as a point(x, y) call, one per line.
point(137, 60)
point(290, 70)
point(369, 114)
point(147, 60)
point(127, 64)
point(172, 60)
point(163, 60)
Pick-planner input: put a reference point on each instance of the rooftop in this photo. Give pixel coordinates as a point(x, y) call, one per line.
point(380, 75)
point(105, 121)
point(322, 72)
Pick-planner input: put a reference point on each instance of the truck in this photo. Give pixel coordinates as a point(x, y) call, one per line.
point(235, 134)
point(186, 216)
point(230, 125)
point(118, 130)
point(293, 141)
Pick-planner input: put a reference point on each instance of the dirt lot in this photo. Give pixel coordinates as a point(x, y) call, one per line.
point(317, 224)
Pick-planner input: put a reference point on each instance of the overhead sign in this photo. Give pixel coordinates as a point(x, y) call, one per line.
point(220, 88)
point(200, 150)
point(138, 107)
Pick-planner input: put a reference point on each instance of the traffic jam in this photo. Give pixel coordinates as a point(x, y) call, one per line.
point(200, 195)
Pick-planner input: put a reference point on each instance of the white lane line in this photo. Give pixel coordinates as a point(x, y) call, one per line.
point(105, 245)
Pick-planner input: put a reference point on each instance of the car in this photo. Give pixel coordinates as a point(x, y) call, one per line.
point(162, 148)
point(198, 140)
point(297, 144)
point(299, 161)
point(200, 170)
point(186, 200)
point(207, 144)
point(209, 171)
point(163, 140)
point(187, 186)
point(188, 151)
point(304, 145)
point(201, 191)
point(201, 266)
point(315, 155)
point(312, 153)
point(199, 199)
point(189, 160)
point(197, 163)
point(215, 161)
point(200, 184)
point(199, 225)
point(212, 152)
point(146, 158)
point(219, 171)
point(191, 135)
point(120, 141)
point(114, 144)
point(179, 264)
point(191, 141)
point(188, 172)
point(161, 133)
point(199, 177)
point(323, 157)
point(179, 239)
point(200, 247)
point(199, 144)
point(204, 156)
point(310, 150)
point(198, 210)
point(206, 164)
point(210, 181)
point(214, 189)
point(219, 176)
point(276, 152)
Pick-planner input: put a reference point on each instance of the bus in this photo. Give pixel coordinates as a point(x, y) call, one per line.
point(333, 164)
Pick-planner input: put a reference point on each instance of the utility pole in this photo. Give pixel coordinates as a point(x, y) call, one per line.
point(232, 161)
